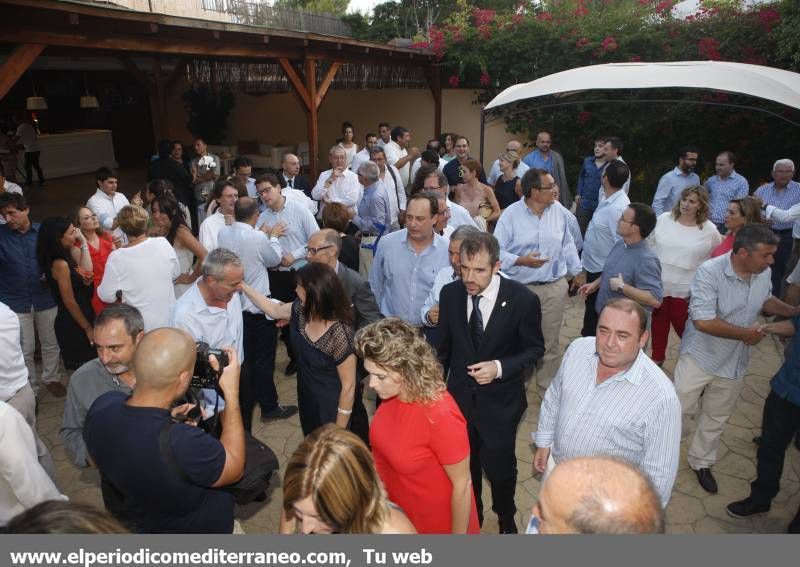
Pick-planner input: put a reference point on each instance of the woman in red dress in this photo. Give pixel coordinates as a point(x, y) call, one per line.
point(418, 435)
point(100, 246)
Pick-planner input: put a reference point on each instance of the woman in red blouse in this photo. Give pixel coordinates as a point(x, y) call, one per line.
point(100, 246)
point(418, 435)
point(740, 212)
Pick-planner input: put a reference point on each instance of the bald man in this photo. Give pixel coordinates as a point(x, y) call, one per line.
point(495, 173)
point(124, 437)
point(597, 495)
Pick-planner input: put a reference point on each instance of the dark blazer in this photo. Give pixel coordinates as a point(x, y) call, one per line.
point(301, 183)
point(357, 288)
point(513, 336)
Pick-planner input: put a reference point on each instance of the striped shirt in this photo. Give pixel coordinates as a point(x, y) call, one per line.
point(723, 191)
point(781, 199)
point(718, 292)
point(519, 232)
point(634, 415)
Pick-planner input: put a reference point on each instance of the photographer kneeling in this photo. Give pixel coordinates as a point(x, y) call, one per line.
point(124, 434)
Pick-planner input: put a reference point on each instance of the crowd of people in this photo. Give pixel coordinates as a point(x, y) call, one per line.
point(412, 275)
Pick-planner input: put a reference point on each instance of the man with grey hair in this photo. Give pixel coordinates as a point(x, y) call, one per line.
point(337, 184)
point(782, 193)
point(258, 251)
point(430, 309)
point(117, 332)
point(211, 310)
point(597, 495)
point(373, 218)
point(495, 173)
point(728, 294)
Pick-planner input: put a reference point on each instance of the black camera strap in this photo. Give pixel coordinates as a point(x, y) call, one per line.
point(168, 455)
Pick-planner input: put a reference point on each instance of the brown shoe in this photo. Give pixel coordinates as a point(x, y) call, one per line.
point(57, 389)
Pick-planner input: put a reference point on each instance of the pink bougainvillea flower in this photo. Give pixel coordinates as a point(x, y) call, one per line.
point(485, 31)
point(453, 81)
point(609, 44)
point(582, 42)
point(543, 16)
point(708, 48)
point(634, 58)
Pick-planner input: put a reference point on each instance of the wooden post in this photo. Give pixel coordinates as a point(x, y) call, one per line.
point(435, 84)
point(310, 66)
point(17, 63)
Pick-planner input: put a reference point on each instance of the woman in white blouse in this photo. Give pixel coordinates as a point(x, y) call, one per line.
point(683, 239)
point(347, 143)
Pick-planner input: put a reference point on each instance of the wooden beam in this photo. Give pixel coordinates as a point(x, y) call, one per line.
point(17, 63)
point(435, 84)
point(138, 75)
point(296, 82)
point(310, 66)
point(327, 80)
point(74, 19)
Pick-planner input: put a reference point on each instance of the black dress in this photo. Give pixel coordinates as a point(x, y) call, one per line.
point(318, 383)
point(72, 341)
point(505, 191)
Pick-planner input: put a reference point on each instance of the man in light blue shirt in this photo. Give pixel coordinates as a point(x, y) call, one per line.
point(407, 261)
point(374, 216)
point(257, 252)
point(672, 183)
point(537, 249)
point(546, 158)
point(724, 187)
point(601, 235)
point(291, 221)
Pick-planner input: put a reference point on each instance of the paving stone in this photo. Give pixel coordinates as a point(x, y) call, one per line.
point(683, 509)
point(715, 506)
point(679, 529)
point(708, 525)
point(736, 465)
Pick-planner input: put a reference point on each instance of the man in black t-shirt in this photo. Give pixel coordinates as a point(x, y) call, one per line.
point(123, 434)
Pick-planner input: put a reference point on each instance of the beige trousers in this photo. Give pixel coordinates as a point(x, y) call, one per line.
point(553, 298)
point(365, 256)
point(711, 412)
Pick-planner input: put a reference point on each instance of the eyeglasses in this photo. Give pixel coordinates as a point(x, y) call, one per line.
point(547, 187)
point(314, 251)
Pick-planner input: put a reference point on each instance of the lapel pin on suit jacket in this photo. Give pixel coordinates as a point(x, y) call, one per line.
point(503, 304)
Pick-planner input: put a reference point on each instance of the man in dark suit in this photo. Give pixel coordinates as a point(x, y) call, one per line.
point(290, 173)
point(490, 331)
point(324, 247)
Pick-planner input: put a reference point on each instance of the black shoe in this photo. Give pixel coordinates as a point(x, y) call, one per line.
point(507, 525)
point(707, 480)
point(757, 440)
point(291, 368)
point(747, 507)
point(279, 412)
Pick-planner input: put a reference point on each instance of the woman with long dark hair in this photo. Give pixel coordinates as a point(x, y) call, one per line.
point(169, 219)
point(321, 320)
point(348, 145)
point(71, 290)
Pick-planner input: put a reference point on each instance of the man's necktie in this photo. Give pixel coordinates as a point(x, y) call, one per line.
point(291, 183)
point(476, 321)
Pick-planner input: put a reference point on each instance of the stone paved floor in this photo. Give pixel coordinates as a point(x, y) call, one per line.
point(691, 510)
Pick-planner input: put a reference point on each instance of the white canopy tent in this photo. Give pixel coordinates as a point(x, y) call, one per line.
point(737, 78)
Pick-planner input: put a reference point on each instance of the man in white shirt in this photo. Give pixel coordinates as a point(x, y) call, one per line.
point(293, 224)
point(392, 183)
point(243, 169)
point(400, 154)
point(15, 389)
point(495, 173)
point(224, 195)
point(26, 135)
point(384, 134)
point(211, 310)
point(337, 184)
point(370, 142)
point(107, 202)
point(23, 481)
point(257, 252)
point(435, 180)
point(612, 150)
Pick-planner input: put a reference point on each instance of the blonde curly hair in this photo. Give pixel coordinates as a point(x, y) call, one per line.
point(394, 345)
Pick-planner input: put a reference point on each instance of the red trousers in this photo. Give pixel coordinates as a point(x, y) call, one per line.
point(675, 311)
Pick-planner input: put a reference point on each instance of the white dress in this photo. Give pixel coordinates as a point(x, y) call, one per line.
point(350, 152)
point(185, 262)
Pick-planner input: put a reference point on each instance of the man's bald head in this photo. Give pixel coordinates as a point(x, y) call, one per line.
point(161, 357)
point(599, 495)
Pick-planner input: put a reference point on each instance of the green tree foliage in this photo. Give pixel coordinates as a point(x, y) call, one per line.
point(489, 50)
point(335, 7)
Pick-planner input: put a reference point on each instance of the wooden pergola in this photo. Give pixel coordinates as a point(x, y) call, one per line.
point(36, 27)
